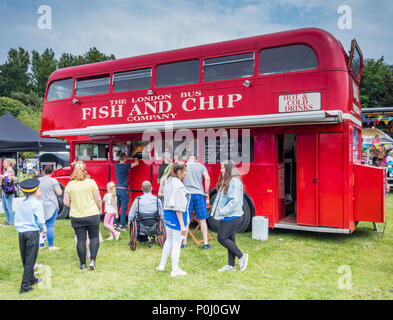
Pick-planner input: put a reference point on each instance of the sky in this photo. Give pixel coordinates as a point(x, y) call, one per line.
point(135, 27)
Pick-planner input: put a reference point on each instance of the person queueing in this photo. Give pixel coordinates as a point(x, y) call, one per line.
point(50, 189)
point(29, 221)
point(110, 200)
point(83, 197)
point(176, 198)
point(146, 204)
point(7, 182)
point(196, 172)
point(121, 171)
point(228, 208)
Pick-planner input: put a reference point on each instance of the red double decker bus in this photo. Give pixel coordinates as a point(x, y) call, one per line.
point(295, 94)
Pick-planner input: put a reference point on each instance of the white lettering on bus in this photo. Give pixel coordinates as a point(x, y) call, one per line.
point(119, 111)
point(215, 102)
point(184, 104)
point(141, 106)
point(231, 99)
point(103, 112)
point(210, 103)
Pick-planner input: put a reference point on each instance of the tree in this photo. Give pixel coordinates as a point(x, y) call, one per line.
point(14, 74)
point(42, 65)
point(31, 99)
point(376, 85)
point(91, 56)
point(94, 55)
point(12, 106)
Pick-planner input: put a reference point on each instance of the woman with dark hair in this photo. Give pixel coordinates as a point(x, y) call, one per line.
point(7, 183)
point(227, 208)
point(83, 197)
point(176, 198)
point(50, 189)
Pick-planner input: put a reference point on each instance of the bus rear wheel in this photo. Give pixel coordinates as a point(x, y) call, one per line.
point(244, 222)
point(63, 209)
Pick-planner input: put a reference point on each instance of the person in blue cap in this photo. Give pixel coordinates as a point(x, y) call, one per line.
point(29, 221)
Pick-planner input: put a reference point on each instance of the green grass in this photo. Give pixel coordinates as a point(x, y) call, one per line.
point(303, 265)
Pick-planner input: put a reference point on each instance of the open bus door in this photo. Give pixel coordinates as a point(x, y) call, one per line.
point(355, 61)
point(370, 186)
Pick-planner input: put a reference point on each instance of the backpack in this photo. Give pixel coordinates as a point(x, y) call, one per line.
point(8, 186)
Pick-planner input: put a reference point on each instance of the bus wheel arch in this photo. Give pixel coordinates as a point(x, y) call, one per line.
point(63, 209)
point(246, 218)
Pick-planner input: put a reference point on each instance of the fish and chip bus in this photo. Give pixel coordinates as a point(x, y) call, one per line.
point(287, 105)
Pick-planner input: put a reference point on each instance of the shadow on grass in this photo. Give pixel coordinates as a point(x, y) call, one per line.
point(360, 233)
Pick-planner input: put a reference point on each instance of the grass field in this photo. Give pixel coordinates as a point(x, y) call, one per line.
point(290, 265)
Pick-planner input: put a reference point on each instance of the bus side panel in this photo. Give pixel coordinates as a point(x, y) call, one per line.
point(259, 184)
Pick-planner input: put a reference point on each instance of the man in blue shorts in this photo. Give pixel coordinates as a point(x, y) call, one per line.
point(194, 183)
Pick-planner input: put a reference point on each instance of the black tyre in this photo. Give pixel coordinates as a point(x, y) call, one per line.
point(64, 211)
point(161, 236)
point(244, 222)
point(133, 235)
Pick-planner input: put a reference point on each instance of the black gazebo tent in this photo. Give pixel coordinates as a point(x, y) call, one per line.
point(16, 137)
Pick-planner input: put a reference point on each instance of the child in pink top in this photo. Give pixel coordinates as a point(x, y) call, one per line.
point(110, 201)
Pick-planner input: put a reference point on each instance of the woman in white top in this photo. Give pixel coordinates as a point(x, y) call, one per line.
point(110, 200)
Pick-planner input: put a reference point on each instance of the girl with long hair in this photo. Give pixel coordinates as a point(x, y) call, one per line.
point(227, 208)
point(110, 200)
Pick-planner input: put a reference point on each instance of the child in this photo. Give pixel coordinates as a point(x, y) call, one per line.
point(29, 221)
point(176, 218)
point(110, 201)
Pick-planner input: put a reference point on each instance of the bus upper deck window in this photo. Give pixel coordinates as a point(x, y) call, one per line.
point(287, 59)
point(132, 80)
point(177, 73)
point(92, 85)
point(228, 67)
point(61, 89)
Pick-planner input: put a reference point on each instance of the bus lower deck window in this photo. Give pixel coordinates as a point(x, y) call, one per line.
point(92, 151)
point(229, 67)
point(92, 85)
point(287, 59)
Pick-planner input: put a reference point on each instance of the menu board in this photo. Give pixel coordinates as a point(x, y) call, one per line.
point(224, 148)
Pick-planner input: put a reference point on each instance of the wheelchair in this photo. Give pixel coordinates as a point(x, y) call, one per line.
point(145, 227)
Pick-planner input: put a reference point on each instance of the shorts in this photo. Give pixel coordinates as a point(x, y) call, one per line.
point(198, 203)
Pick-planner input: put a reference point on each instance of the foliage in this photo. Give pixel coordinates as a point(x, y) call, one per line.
point(24, 77)
point(14, 74)
point(12, 106)
point(376, 85)
point(42, 65)
point(91, 56)
point(30, 99)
